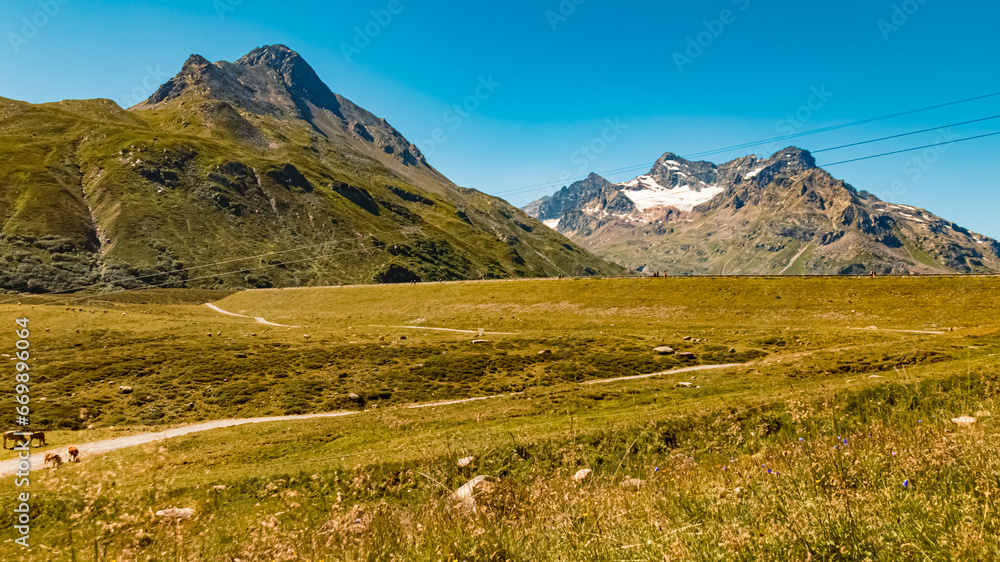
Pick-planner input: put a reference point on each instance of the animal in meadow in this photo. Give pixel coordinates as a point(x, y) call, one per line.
point(53, 458)
point(12, 436)
point(38, 436)
point(74, 453)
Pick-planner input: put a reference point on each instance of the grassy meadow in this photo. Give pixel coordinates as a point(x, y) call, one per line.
point(832, 440)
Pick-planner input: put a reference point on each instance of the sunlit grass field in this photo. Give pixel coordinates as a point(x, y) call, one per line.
point(832, 440)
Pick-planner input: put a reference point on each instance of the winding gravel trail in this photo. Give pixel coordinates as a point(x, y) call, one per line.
point(675, 371)
point(256, 318)
point(448, 330)
point(9, 467)
point(923, 332)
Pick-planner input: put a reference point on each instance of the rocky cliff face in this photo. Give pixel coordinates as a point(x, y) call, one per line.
point(781, 215)
point(245, 174)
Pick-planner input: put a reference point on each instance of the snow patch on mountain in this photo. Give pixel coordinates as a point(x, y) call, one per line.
point(652, 195)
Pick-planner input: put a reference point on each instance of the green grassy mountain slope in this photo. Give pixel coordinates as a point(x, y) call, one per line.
point(254, 158)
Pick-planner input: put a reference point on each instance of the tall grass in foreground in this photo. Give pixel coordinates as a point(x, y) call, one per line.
point(880, 473)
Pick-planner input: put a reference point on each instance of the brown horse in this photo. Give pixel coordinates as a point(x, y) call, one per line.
point(55, 459)
point(74, 453)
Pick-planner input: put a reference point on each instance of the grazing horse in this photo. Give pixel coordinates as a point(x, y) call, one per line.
point(38, 435)
point(74, 453)
point(55, 459)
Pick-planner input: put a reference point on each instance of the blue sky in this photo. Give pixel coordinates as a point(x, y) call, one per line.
point(579, 85)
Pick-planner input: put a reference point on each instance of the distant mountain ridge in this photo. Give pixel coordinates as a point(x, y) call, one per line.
point(252, 158)
point(778, 215)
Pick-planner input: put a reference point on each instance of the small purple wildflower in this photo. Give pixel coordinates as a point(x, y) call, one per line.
point(920, 421)
point(801, 439)
point(837, 447)
point(906, 483)
point(894, 453)
point(657, 469)
point(845, 441)
point(769, 471)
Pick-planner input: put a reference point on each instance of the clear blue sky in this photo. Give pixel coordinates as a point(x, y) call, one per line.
point(559, 78)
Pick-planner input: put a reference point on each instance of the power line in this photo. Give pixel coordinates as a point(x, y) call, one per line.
point(905, 134)
point(912, 149)
point(555, 183)
point(721, 168)
point(353, 250)
point(724, 168)
point(846, 125)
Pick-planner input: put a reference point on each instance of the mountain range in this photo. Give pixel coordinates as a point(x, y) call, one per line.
point(780, 215)
point(245, 174)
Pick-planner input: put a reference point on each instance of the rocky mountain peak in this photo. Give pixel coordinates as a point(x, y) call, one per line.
point(294, 71)
point(671, 171)
point(274, 81)
point(194, 62)
point(778, 215)
point(794, 159)
point(272, 55)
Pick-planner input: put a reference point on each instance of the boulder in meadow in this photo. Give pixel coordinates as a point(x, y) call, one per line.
point(176, 513)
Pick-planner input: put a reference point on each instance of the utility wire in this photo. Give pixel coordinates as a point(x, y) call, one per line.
point(845, 125)
point(912, 149)
point(354, 250)
point(333, 242)
point(911, 133)
point(905, 134)
point(550, 184)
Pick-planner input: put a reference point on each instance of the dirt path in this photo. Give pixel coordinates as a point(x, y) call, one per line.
point(448, 330)
point(796, 258)
point(463, 401)
point(664, 373)
point(9, 467)
point(256, 318)
point(924, 332)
